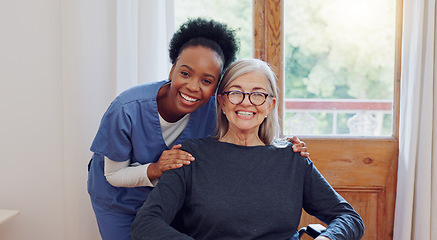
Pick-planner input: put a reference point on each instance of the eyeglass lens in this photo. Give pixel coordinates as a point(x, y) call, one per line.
point(237, 97)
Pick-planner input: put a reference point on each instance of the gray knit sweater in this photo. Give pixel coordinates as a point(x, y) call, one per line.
point(239, 192)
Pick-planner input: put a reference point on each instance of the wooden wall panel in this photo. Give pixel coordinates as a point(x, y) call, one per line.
point(364, 202)
point(364, 172)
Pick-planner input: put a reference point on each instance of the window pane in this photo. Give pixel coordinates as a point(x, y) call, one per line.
point(339, 66)
point(236, 14)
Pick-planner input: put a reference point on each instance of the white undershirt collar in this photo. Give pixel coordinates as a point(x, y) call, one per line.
point(171, 131)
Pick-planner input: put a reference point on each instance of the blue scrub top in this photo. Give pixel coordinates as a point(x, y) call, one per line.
point(130, 129)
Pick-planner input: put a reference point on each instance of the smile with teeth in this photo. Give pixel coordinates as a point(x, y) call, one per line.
point(245, 114)
point(187, 98)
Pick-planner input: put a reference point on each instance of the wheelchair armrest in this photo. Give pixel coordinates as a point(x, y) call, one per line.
point(313, 230)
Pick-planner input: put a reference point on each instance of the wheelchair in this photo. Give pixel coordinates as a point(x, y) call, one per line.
point(313, 230)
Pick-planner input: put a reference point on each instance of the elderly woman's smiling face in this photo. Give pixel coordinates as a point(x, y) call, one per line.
point(246, 117)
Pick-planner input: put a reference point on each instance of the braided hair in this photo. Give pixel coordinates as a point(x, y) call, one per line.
point(206, 33)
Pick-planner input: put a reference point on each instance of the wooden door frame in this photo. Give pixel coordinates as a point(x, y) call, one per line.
point(359, 155)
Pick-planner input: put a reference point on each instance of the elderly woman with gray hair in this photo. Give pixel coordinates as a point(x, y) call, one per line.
point(244, 184)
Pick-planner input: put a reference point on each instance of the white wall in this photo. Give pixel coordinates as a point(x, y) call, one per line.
point(89, 84)
point(57, 77)
point(58, 74)
point(31, 166)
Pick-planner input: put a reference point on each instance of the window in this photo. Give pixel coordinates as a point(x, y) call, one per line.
point(236, 14)
point(339, 67)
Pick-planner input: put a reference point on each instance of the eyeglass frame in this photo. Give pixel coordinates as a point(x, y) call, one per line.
point(244, 96)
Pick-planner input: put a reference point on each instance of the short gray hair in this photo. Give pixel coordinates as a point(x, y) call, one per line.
point(269, 129)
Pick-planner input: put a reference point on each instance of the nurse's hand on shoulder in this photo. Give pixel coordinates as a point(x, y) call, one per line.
point(170, 159)
point(299, 146)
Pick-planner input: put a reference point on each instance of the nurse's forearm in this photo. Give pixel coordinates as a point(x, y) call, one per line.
point(123, 174)
point(153, 172)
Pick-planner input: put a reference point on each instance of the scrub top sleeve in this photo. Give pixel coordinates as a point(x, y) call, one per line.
point(113, 139)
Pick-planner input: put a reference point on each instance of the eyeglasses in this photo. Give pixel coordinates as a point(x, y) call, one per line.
point(237, 97)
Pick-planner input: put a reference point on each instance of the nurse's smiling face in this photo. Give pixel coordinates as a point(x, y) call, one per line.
point(194, 78)
point(246, 117)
